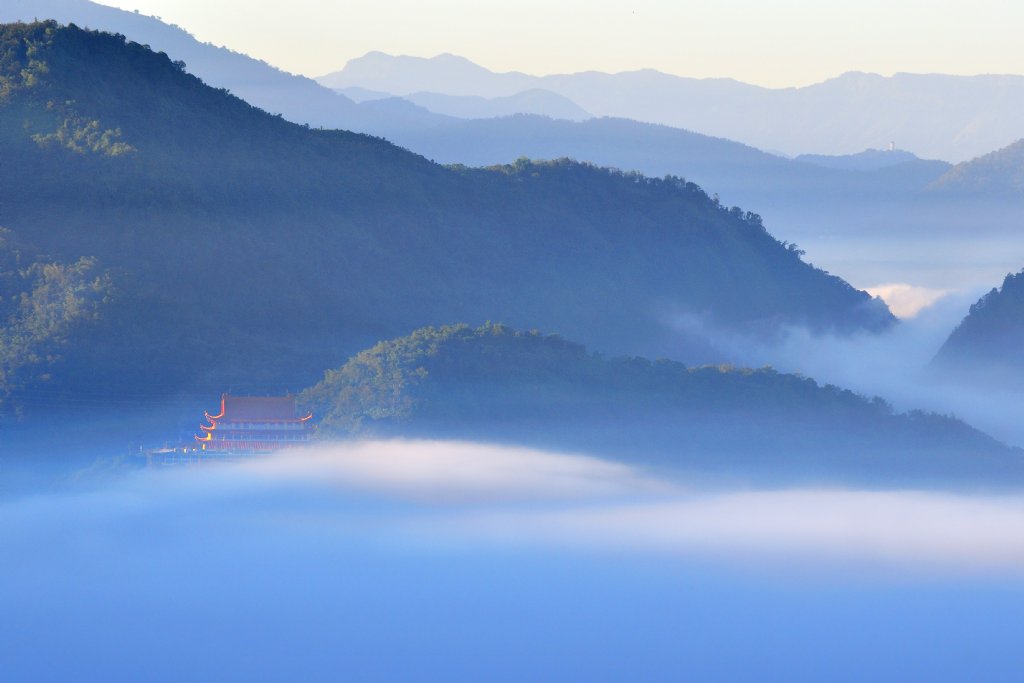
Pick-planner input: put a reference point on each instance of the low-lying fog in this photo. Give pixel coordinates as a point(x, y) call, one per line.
point(457, 561)
point(893, 364)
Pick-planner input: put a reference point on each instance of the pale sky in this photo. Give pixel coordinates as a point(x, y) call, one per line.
point(773, 43)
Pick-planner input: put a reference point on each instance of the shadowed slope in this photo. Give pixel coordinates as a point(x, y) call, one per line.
point(999, 174)
point(988, 344)
point(251, 250)
point(495, 383)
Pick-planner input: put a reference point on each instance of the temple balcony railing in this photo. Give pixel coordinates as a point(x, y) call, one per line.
point(268, 426)
point(284, 438)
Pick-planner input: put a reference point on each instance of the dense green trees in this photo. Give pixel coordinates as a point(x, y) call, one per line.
point(42, 305)
point(494, 371)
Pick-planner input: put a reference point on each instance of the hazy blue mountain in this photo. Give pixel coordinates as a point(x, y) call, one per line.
point(534, 101)
point(737, 172)
point(394, 117)
point(932, 115)
point(358, 95)
point(246, 249)
point(494, 383)
point(297, 98)
point(866, 226)
point(445, 74)
point(868, 160)
point(988, 344)
point(999, 173)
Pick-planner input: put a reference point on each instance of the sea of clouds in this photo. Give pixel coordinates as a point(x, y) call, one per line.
point(416, 560)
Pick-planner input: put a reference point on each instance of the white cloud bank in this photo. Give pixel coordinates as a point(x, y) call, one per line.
point(428, 492)
point(906, 301)
point(903, 529)
point(488, 493)
point(407, 561)
point(448, 471)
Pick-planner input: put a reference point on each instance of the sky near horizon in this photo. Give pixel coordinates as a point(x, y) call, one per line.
point(776, 44)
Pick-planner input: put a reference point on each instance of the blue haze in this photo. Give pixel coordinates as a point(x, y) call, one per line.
point(214, 574)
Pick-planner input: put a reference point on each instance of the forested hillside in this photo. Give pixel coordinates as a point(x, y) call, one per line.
point(249, 251)
point(496, 383)
point(43, 304)
point(999, 174)
point(989, 343)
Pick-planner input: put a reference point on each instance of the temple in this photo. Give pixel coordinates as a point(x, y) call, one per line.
point(254, 424)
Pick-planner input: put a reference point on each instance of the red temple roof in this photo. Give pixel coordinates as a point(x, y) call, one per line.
point(255, 424)
point(258, 408)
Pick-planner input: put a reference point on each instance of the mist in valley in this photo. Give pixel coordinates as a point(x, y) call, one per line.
point(896, 365)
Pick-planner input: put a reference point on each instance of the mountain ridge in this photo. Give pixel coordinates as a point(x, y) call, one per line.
point(495, 383)
point(997, 174)
point(276, 236)
point(841, 115)
point(534, 101)
point(632, 146)
point(739, 173)
point(297, 98)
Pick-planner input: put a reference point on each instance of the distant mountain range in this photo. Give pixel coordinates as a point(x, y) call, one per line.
point(244, 249)
point(737, 172)
point(297, 98)
point(860, 216)
point(535, 101)
point(497, 384)
point(935, 116)
point(999, 174)
point(868, 160)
